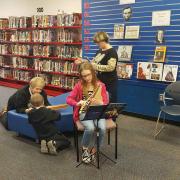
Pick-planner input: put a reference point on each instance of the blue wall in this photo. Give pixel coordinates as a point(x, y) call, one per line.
point(141, 96)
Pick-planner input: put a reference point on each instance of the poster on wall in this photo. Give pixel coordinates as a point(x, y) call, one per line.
point(143, 70)
point(126, 1)
point(132, 32)
point(124, 53)
point(156, 71)
point(161, 18)
point(127, 13)
point(119, 31)
point(160, 53)
point(170, 73)
point(124, 71)
point(160, 36)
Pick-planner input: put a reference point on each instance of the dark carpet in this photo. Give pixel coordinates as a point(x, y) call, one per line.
point(140, 157)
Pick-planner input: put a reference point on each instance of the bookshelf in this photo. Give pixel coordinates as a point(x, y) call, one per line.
point(41, 45)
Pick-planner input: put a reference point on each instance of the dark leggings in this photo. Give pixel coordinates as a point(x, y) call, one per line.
point(112, 90)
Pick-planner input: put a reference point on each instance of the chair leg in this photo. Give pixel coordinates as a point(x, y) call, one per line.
point(74, 133)
point(116, 144)
point(158, 131)
point(77, 146)
point(109, 137)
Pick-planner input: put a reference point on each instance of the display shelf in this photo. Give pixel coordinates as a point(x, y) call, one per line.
point(50, 72)
point(40, 57)
point(40, 28)
point(43, 43)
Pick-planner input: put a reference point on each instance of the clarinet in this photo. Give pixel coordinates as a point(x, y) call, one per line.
point(85, 106)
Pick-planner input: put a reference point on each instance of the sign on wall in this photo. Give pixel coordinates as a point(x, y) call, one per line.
point(161, 18)
point(126, 1)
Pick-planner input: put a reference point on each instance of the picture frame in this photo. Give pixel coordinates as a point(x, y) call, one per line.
point(124, 52)
point(132, 32)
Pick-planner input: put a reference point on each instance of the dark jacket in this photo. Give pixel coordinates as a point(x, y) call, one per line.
point(42, 120)
point(21, 98)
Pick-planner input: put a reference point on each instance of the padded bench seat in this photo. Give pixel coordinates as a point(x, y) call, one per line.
point(19, 122)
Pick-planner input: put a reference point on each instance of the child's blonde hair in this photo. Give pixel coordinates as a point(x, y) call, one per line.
point(37, 82)
point(37, 100)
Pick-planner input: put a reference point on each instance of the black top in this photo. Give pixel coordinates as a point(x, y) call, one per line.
point(107, 77)
point(42, 120)
point(21, 98)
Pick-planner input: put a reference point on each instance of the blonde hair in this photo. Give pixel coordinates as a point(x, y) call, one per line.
point(100, 37)
point(37, 82)
point(36, 100)
point(88, 66)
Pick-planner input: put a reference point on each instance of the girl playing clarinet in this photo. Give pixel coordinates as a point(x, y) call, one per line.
point(91, 89)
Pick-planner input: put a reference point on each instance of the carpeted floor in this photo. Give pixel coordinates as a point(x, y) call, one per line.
point(140, 157)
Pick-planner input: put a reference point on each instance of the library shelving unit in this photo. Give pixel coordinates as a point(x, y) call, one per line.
point(41, 45)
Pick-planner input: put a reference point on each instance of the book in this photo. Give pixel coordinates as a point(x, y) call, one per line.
point(156, 71)
point(118, 31)
point(170, 73)
point(160, 53)
point(124, 70)
point(124, 53)
point(143, 70)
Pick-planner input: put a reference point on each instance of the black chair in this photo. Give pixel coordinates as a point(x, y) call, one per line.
point(171, 105)
point(110, 125)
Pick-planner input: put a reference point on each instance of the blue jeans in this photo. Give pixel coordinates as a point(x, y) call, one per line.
point(89, 138)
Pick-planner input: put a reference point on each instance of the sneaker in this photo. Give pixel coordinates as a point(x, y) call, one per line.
point(44, 148)
point(93, 155)
point(86, 158)
point(52, 147)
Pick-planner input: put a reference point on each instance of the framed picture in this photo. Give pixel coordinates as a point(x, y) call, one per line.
point(156, 71)
point(126, 1)
point(124, 53)
point(170, 73)
point(132, 32)
point(160, 54)
point(161, 18)
point(119, 31)
point(124, 71)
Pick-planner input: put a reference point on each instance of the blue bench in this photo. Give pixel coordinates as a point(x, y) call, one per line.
point(19, 122)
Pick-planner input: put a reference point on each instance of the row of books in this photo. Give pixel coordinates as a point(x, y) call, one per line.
point(149, 71)
point(16, 62)
point(16, 74)
point(61, 19)
point(66, 67)
point(22, 36)
point(55, 80)
point(64, 81)
point(54, 66)
point(64, 19)
point(5, 36)
point(41, 50)
point(19, 22)
point(4, 23)
point(60, 35)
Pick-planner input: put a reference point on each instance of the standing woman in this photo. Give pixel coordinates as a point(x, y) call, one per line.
point(104, 63)
point(88, 86)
